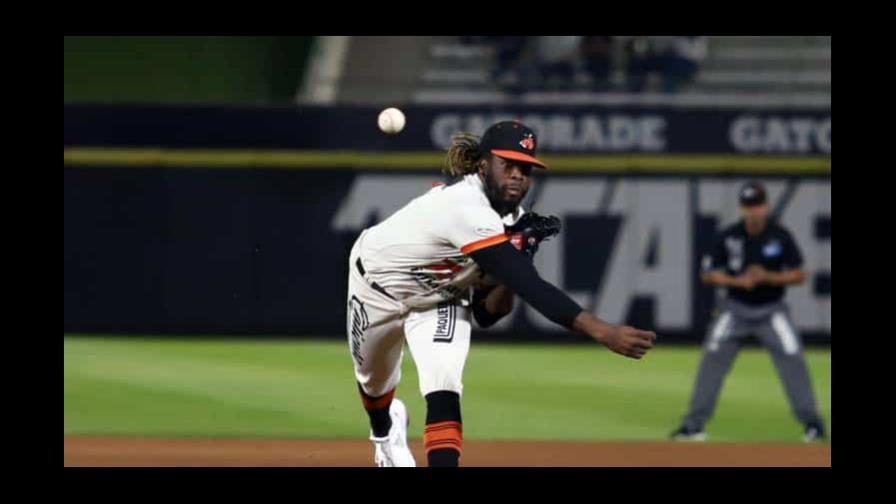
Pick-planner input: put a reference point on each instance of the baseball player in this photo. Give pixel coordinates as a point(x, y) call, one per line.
point(445, 258)
point(755, 259)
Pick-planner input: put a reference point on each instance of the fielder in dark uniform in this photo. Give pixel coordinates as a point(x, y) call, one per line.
point(754, 259)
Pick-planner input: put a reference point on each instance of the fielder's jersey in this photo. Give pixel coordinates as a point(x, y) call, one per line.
point(735, 250)
point(419, 255)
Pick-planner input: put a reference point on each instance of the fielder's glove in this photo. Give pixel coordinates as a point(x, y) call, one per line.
point(530, 230)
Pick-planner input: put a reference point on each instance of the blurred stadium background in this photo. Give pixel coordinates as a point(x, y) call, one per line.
point(214, 185)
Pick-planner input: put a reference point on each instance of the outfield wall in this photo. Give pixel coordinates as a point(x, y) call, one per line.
point(239, 220)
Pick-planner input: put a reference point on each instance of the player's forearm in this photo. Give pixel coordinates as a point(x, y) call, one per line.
point(789, 277)
point(719, 278)
point(586, 323)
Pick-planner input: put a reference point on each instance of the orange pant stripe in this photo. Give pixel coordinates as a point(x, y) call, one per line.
point(371, 403)
point(443, 435)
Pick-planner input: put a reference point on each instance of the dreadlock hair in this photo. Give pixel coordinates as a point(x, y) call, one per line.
point(463, 156)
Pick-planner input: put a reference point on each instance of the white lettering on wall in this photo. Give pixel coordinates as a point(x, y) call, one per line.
point(778, 135)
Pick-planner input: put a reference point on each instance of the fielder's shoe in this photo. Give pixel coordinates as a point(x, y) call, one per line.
point(392, 450)
point(687, 434)
point(814, 432)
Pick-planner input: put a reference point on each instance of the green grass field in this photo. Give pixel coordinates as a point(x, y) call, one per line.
point(306, 389)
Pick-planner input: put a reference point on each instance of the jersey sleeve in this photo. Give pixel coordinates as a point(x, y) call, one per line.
point(792, 257)
point(717, 258)
point(473, 228)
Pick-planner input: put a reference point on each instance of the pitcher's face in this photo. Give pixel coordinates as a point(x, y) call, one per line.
point(507, 182)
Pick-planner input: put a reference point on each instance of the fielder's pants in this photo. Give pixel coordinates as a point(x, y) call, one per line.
point(378, 326)
point(771, 324)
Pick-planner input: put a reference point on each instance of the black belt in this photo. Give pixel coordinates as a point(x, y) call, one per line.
point(379, 288)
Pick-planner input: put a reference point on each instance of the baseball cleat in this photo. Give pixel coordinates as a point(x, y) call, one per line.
point(392, 450)
point(814, 432)
point(687, 434)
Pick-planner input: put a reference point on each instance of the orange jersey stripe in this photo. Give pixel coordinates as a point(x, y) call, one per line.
point(483, 243)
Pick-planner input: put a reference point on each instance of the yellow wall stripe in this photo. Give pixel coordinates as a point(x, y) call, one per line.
point(564, 163)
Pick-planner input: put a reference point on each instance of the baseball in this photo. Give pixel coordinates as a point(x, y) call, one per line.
point(391, 121)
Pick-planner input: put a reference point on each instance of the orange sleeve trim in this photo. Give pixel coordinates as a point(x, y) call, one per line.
point(483, 243)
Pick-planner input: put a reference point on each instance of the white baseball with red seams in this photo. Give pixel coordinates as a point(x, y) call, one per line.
point(391, 121)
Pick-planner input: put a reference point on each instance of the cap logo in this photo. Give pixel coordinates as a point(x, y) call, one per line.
point(528, 142)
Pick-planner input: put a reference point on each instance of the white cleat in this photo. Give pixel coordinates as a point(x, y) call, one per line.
point(698, 437)
point(392, 450)
point(687, 434)
point(814, 432)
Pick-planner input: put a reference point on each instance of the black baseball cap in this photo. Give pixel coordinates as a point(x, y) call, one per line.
point(511, 140)
point(752, 194)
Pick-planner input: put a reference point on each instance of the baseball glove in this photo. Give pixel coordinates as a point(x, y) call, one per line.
point(531, 229)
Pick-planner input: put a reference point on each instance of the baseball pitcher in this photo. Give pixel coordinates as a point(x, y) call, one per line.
point(457, 252)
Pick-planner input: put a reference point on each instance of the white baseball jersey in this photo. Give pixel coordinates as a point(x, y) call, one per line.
point(419, 255)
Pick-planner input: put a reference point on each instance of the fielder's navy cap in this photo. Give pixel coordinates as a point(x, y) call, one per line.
point(752, 194)
point(511, 140)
